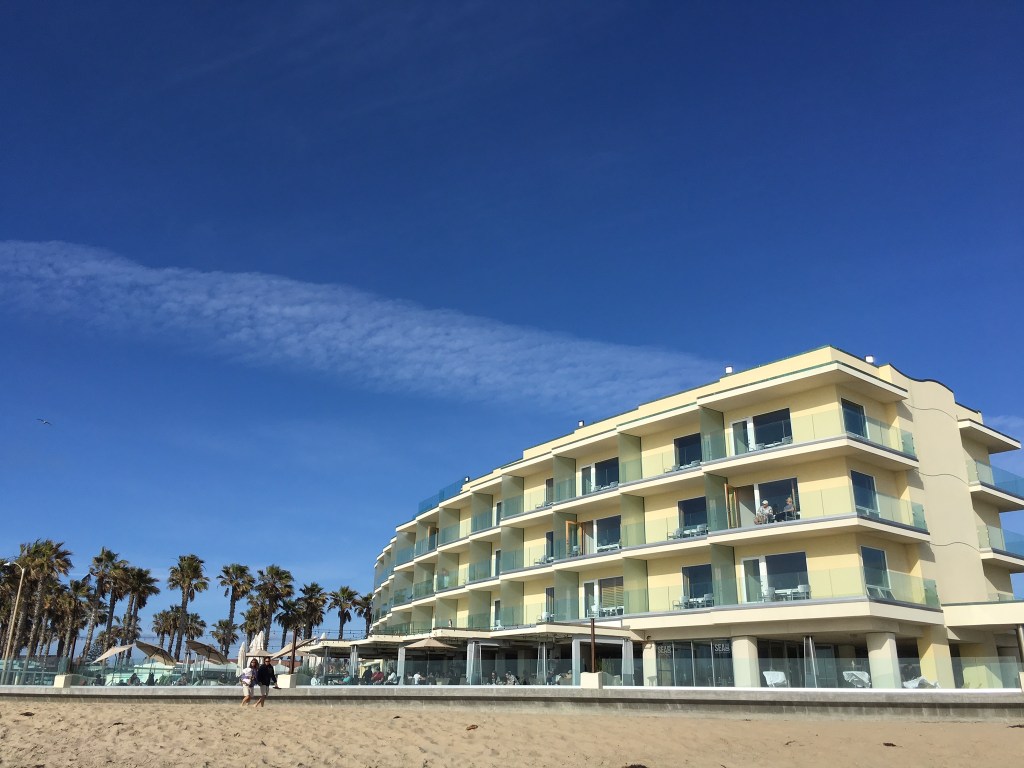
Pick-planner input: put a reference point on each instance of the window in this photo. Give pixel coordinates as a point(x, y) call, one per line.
point(693, 516)
point(596, 477)
point(697, 584)
point(772, 429)
point(876, 572)
point(864, 496)
point(549, 491)
point(688, 450)
point(497, 562)
point(609, 533)
point(496, 623)
point(854, 420)
point(767, 430)
point(776, 577)
point(549, 546)
point(782, 497)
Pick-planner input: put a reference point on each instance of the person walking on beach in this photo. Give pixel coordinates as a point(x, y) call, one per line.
point(266, 677)
point(248, 680)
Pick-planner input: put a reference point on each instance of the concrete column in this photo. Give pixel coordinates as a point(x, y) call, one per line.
point(401, 665)
point(746, 672)
point(883, 660)
point(577, 662)
point(650, 663)
point(936, 661)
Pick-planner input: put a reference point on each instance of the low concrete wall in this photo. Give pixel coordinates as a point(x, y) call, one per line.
point(704, 702)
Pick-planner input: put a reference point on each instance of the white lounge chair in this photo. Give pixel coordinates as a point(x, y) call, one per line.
point(775, 679)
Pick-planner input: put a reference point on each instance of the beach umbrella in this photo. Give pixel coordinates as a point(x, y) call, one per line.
point(258, 645)
point(207, 651)
point(112, 652)
point(429, 644)
point(291, 648)
point(243, 661)
point(155, 651)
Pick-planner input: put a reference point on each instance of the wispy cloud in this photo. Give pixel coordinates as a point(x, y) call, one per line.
point(374, 342)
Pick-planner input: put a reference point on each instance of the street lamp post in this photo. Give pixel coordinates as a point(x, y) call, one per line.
point(10, 628)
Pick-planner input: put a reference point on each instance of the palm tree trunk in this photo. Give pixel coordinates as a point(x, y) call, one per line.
point(295, 639)
point(182, 621)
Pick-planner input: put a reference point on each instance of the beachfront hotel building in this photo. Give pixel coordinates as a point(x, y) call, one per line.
point(820, 521)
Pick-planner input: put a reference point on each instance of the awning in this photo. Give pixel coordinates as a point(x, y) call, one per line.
point(288, 650)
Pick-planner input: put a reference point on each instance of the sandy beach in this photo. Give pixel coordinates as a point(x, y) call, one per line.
point(153, 734)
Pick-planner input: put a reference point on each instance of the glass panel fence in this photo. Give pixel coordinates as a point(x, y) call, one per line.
point(987, 672)
point(801, 429)
point(445, 579)
point(537, 499)
point(400, 596)
point(992, 537)
point(423, 588)
point(455, 532)
point(403, 555)
point(480, 571)
point(995, 477)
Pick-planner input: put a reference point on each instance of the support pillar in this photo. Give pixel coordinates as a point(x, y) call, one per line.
point(745, 668)
point(650, 663)
point(936, 661)
point(883, 660)
point(401, 665)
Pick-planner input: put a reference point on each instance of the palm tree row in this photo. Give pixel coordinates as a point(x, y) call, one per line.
point(52, 611)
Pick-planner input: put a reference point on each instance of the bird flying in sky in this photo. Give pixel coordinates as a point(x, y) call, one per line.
point(44, 421)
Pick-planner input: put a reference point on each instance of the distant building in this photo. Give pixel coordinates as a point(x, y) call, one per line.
point(814, 522)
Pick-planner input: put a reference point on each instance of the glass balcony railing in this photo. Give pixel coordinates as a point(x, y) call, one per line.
point(991, 537)
point(401, 596)
point(833, 583)
point(802, 429)
point(995, 477)
point(480, 571)
point(423, 589)
point(448, 492)
point(455, 532)
point(426, 545)
point(403, 555)
point(446, 579)
point(987, 672)
point(479, 621)
point(482, 521)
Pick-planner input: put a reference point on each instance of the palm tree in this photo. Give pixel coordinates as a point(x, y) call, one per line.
point(164, 625)
point(140, 585)
point(116, 589)
point(363, 606)
point(194, 626)
point(46, 560)
point(342, 600)
point(238, 582)
point(289, 617)
point(100, 570)
point(187, 576)
point(252, 622)
point(73, 607)
point(224, 633)
point(314, 601)
point(272, 586)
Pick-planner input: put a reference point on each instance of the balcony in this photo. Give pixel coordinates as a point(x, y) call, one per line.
point(999, 539)
point(403, 555)
point(422, 589)
point(997, 486)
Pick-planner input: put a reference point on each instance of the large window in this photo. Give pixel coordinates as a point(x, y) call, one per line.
point(776, 577)
point(596, 477)
point(688, 450)
point(864, 496)
point(766, 430)
point(609, 533)
point(698, 589)
point(604, 597)
point(701, 662)
point(854, 420)
point(876, 572)
point(782, 496)
point(693, 517)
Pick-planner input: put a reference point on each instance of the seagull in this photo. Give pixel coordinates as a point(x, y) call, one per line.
point(45, 422)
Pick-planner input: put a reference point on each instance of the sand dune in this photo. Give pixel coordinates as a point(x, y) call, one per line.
point(84, 733)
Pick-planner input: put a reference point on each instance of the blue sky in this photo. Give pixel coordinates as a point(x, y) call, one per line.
point(277, 273)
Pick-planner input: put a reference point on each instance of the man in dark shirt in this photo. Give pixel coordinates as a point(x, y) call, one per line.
point(265, 677)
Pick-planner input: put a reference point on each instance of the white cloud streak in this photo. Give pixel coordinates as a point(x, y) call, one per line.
point(351, 335)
